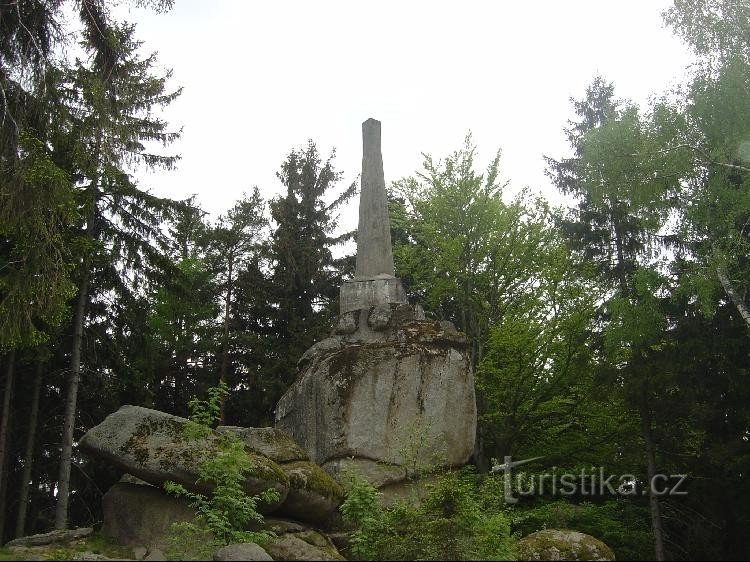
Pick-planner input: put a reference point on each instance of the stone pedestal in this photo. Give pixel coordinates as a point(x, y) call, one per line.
point(362, 294)
point(387, 389)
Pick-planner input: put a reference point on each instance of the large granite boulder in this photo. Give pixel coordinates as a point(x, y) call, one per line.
point(154, 447)
point(142, 515)
point(562, 544)
point(396, 390)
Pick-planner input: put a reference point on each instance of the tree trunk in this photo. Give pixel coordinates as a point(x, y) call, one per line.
point(653, 499)
point(225, 343)
point(71, 400)
point(4, 431)
point(735, 297)
point(28, 457)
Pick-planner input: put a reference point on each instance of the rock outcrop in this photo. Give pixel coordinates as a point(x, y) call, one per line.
point(153, 446)
point(394, 392)
point(142, 515)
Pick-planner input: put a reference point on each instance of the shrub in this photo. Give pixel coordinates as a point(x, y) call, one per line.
point(450, 524)
point(224, 515)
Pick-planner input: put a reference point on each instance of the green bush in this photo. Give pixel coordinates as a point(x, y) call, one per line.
point(451, 523)
point(224, 515)
point(623, 525)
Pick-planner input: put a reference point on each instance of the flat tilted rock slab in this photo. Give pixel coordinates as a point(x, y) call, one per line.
point(152, 445)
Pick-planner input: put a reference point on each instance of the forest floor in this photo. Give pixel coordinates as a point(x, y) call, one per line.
point(93, 547)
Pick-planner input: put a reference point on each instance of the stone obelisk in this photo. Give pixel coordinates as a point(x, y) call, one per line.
point(385, 374)
point(374, 281)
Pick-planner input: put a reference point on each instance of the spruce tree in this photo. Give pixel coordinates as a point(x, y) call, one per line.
point(301, 277)
point(112, 98)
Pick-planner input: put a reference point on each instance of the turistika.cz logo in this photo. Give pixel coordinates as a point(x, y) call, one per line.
point(593, 482)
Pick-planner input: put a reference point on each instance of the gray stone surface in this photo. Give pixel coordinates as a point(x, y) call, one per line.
point(377, 395)
point(141, 516)
point(374, 254)
point(268, 441)
point(152, 446)
point(313, 494)
point(378, 474)
point(290, 547)
point(52, 537)
point(379, 317)
point(362, 294)
point(282, 526)
point(562, 544)
point(244, 551)
point(347, 323)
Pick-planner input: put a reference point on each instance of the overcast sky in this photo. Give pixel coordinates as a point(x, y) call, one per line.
point(260, 78)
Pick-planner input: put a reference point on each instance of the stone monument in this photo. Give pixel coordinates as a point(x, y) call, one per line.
point(374, 280)
point(389, 391)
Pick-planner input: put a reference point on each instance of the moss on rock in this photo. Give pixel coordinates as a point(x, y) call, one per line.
point(309, 476)
point(562, 544)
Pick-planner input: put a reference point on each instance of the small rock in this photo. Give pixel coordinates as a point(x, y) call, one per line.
point(51, 537)
point(402, 314)
point(289, 547)
point(141, 516)
point(378, 474)
point(140, 552)
point(380, 317)
point(243, 551)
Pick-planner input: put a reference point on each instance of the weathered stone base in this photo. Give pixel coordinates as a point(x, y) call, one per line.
point(362, 294)
point(389, 389)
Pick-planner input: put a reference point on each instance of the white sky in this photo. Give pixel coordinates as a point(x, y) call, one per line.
point(260, 78)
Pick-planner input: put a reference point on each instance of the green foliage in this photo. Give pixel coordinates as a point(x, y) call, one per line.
point(623, 525)
point(462, 251)
point(228, 512)
point(37, 251)
point(450, 524)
